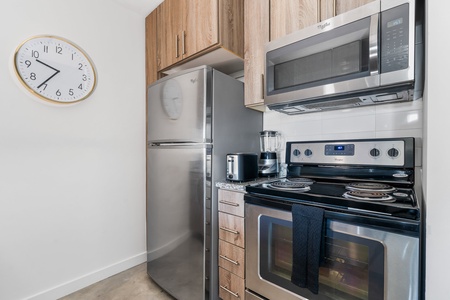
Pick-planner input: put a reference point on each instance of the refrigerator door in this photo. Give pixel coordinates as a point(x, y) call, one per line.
point(178, 106)
point(178, 216)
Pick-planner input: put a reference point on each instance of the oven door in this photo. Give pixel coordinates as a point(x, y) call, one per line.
point(359, 261)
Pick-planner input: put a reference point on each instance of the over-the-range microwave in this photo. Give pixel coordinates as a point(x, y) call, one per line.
point(369, 55)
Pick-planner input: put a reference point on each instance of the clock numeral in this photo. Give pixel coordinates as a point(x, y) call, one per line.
point(33, 76)
point(28, 63)
point(71, 92)
point(80, 66)
point(58, 93)
point(59, 49)
point(44, 85)
point(72, 56)
point(84, 77)
point(34, 54)
point(80, 86)
point(45, 48)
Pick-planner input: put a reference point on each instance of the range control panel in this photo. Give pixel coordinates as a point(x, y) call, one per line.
point(376, 152)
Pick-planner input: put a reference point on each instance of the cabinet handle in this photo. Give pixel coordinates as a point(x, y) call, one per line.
point(228, 203)
point(177, 54)
point(334, 8)
point(183, 44)
point(319, 11)
point(229, 259)
point(229, 230)
point(227, 290)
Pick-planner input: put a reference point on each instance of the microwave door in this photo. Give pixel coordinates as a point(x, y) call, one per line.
point(339, 60)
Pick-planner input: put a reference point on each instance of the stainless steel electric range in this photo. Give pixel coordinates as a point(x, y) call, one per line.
point(368, 192)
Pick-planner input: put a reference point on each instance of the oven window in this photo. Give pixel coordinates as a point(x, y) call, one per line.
point(351, 267)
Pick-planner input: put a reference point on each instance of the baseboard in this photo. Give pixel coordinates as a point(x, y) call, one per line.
point(90, 278)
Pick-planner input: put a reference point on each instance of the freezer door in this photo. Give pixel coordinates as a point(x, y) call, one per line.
point(178, 107)
point(177, 219)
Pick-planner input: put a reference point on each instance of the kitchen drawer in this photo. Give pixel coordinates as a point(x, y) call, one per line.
point(231, 202)
point(231, 229)
point(231, 287)
point(232, 258)
point(250, 296)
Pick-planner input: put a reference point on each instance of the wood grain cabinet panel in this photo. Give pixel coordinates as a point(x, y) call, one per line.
point(287, 16)
point(187, 29)
point(151, 63)
point(231, 229)
point(332, 8)
point(231, 202)
point(232, 258)
point(231, 286)
point(256, 35)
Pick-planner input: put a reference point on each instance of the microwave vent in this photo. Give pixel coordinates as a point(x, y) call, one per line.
point(300, 107)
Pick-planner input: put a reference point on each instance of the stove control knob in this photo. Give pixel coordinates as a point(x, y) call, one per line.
point(393, 152)
point(308, 152)
point(296, 152)
point(374, 152)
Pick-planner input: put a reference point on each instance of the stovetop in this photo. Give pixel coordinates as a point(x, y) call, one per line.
point(388, 164)
point(331, 194)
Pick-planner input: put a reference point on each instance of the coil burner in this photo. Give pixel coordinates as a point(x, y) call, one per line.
point(370, 187)
point(290, 186)
point(306, 181)
point(369, 196)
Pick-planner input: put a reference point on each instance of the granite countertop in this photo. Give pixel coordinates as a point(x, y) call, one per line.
point(241, 185)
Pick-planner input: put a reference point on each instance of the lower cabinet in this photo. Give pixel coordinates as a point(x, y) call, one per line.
point(231, 245)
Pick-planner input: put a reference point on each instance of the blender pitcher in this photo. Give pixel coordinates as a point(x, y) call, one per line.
point(270, 142)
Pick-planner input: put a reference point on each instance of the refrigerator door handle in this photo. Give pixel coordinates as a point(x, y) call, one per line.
point(178, 144)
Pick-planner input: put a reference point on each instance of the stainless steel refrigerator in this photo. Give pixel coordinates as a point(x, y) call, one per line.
point(195, 117)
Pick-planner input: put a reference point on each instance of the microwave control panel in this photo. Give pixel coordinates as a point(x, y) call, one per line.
point(395, 39)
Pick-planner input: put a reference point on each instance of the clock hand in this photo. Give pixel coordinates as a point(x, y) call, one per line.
point(46, 65)
point(57, 71)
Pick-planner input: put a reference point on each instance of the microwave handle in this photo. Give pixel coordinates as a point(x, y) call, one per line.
point(373, 44)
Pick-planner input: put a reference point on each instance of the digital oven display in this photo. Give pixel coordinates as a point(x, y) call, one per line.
point(340, 149)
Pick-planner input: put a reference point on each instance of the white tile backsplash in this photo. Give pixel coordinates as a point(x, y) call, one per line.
point(382, 121)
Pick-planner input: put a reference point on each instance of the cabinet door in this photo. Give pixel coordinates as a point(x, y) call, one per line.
point(169, 24)
point(331, 8)
point(151, 56)
point(287, 16)
point(256, 35)
point(200, 29)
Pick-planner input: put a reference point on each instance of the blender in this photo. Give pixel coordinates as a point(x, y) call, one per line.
point(270, 142)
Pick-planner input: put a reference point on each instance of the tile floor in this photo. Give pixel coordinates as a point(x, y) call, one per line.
point(131, 284)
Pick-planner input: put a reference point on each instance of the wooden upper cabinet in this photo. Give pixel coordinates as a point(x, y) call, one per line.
point(151, 62)
point(169, 29)
point(188, 28)
point(332, 8)
point(256, 35)
point(287, 16)
point(200, 26)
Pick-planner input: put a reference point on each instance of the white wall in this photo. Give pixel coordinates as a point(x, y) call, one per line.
point(72, 179)
point(383, 121)
point(437, 158)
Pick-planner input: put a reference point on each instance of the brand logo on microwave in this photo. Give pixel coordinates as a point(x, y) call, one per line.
point(324, 25)
point(336, 159)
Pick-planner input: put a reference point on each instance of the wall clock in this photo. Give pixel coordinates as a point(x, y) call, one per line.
point(54, 69)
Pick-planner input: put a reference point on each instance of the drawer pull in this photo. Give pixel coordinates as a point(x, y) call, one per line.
point(227, 290)
point(229, 230)
point(229, 203)
point(229, 259)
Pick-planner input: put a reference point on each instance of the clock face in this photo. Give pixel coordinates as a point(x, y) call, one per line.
point(55, 69)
